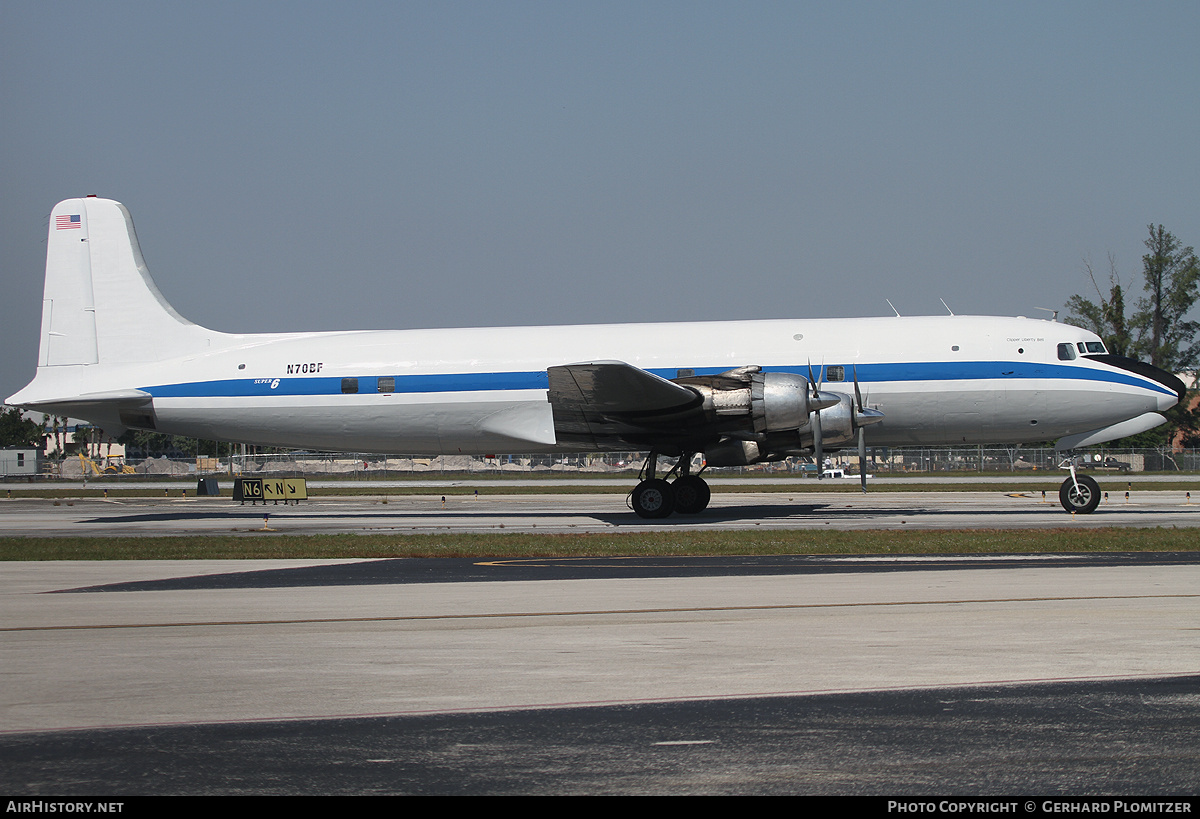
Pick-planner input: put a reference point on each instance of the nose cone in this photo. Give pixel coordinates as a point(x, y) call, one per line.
point(1168, 380)
point(1165, 402)
point(1170, 388)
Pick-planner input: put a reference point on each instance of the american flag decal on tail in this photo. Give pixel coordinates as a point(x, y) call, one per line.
point(67, 223)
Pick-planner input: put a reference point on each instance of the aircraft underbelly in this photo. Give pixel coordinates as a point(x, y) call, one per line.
point(384, 424)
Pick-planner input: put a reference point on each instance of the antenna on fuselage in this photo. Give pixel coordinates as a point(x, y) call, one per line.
point(948, 310)
point(894, 310)
point(1048, 310)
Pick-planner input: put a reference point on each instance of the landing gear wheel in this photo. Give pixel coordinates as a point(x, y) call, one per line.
point(654, 498)
point(1083, 498)
point(691, 494)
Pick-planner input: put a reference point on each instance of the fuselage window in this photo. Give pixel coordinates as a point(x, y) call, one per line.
point(349, 385)
point(1066, 352)
point(836, 373)
point(386, 383)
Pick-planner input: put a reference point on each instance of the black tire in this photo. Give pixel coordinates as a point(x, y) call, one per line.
point(654, 498)
point(1083, 498)
point(691, 494)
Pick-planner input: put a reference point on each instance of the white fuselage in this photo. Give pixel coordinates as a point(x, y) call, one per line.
point(937, 380)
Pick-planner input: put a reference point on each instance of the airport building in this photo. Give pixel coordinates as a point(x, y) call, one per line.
point(20, 461)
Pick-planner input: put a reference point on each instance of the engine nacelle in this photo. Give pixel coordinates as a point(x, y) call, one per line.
point(733, 453)
point(837, 424)
point(766, 402)
point(774, 447)
point(768, 416)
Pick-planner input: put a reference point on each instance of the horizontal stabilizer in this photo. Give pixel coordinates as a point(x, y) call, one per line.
point(114, 411)
point(116, 398)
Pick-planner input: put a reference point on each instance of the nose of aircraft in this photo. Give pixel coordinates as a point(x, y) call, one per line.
point(1171, 382)
point(1174, 386)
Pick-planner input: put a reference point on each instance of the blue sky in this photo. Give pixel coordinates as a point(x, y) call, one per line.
point(303, 165)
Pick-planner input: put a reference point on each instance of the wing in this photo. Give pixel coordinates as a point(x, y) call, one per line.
point(614, 405)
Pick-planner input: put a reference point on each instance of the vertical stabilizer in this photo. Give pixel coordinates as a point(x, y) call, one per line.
point(100, 305)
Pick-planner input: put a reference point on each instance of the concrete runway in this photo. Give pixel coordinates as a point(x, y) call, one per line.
point(847, 678)
point(124, 681)
point(584, 513)
point(121, 658)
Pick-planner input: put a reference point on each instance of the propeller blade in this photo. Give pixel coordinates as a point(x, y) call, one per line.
point(862, 416)
point(861, 421)
point(818, 450)
point(862, 457)
point(818, 403)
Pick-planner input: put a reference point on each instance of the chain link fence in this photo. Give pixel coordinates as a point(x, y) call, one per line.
point(880, 461)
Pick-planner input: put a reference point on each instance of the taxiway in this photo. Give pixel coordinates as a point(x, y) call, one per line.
point(94, 516)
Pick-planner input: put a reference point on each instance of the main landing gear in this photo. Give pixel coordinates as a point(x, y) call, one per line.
point(657, 497)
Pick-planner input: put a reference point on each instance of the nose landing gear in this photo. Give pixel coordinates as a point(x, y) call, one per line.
point(1078, 493)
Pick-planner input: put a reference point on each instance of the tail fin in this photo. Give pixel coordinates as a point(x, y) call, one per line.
point(100, 305)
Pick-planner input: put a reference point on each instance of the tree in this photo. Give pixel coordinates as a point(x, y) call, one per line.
point(18, 431)
point(1105, 318)
point(1165, 336)
point(85, 436)
point(1158, 331)
point(145, 444)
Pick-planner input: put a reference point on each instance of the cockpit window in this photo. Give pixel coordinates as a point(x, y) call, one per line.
point(1066, 352)
point(1095, 347)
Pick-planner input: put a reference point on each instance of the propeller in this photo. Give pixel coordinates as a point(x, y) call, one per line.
point(863, 418)
point(862, 435)
point(816, 421)
point(862, 459)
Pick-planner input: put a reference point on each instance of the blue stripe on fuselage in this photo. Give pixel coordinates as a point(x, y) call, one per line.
point(537, 380)
point(327, 385)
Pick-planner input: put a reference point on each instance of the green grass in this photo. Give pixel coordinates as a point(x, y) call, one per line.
point(262, 545)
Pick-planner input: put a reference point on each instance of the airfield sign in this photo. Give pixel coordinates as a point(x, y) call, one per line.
point(270, 489)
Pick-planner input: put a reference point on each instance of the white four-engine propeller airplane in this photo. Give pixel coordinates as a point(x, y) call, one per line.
point(115, 353)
